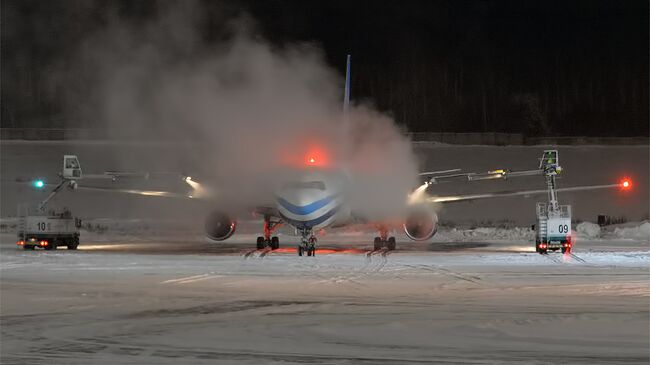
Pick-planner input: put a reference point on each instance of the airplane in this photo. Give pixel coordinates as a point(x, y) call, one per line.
point(316, 199)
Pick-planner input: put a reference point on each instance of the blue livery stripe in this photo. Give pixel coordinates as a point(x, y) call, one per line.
point(306, 209)
point(313, 222)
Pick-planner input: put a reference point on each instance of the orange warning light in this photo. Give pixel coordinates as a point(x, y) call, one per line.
point(626, 184)
point(316, 156)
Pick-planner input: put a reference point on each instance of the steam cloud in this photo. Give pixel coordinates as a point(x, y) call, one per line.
point(246, 110)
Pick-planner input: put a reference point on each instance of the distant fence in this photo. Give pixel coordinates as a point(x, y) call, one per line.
point(50, 134)
point(470, 138)
point(587, 140)
point(494, 139)
point(517, 139)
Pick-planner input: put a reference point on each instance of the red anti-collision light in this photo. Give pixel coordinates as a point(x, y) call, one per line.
point(626, 184)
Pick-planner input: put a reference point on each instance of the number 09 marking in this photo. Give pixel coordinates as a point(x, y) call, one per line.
point(563, 228)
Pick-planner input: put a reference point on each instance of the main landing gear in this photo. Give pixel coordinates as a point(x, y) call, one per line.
point(308, 243)
point(271, 241)
point(383, 240)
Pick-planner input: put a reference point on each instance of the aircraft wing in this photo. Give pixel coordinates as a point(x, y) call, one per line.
point(197, 194)
point(454, 175)
point(462, 198)
point(73, 185)
point(548, 166)
point(159, 193)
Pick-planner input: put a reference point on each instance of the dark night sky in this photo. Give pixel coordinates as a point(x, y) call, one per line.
point(537, 67)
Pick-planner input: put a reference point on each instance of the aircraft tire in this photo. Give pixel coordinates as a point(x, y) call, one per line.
point(377, 243)
point(275, 243)
point(260, 243)
point(391, 244)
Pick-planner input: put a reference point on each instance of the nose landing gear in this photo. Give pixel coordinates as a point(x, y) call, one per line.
point(308, 243)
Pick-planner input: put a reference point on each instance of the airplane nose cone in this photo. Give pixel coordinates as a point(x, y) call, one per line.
point(303, 203)
point(303, 198)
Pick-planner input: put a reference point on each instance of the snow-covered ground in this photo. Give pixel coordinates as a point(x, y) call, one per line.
point(465, 301)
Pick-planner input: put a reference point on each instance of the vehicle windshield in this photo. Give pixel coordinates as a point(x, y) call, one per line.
point(71, 163)
point(305, 185)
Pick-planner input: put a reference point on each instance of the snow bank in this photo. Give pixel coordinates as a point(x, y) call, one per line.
point(485, 233)
point(8, 225)
point(641, 232)
point(588, 230)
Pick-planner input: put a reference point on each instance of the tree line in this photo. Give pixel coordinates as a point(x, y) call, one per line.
point(548, 68)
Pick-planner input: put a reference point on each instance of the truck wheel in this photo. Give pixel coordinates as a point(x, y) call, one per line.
point(73, 244)
point(50, 246)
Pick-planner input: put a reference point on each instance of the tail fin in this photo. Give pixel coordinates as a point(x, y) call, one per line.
point(346, 96)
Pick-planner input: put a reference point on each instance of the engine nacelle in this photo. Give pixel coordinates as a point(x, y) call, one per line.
point(219, 226)
point(421, 224)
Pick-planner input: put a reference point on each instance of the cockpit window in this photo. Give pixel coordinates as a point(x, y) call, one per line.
point(305, 185)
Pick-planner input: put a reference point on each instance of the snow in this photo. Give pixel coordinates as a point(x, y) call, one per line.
point(641, 232)
point(484, 233)
point(588, 230)
point(111, 304)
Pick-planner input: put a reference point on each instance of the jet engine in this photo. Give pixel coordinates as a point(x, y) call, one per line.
point(219, 226)
point(421, 224)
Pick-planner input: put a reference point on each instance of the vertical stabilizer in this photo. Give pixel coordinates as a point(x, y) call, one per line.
point(346, 96)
